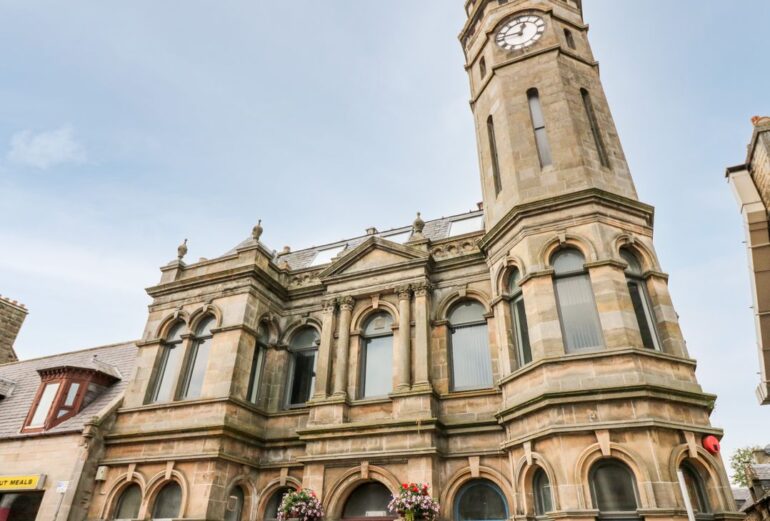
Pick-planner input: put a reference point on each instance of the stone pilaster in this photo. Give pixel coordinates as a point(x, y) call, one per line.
point(542, 315)
point(422, 337)
point(404, 355)
point(343, 347)
point(324, 363)
point(613, 302)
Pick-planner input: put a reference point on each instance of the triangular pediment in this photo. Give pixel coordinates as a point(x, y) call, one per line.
point(374, 254)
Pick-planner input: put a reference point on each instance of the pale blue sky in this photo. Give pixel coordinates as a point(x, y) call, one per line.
point(127, 126)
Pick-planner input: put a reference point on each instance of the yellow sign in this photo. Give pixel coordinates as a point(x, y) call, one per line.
point(31, 482)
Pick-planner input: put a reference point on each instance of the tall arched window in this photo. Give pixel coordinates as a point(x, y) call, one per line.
point(538, 125)
point(368, 502)
point(637, 288)
point(575, 300)
point(260, 350)
point(569, 38)
point(377, 356)
point(234, 505)
point(541, 489)
point(168, 502)
point(613, 489)
point(303, 346)
point(493, 157)
point(519, 315)
point(483, 68)
point(128, 503)
point(170, 363)
point(271, 509)
point(692, 483)
point(469, 347)
point(595, 131)
point(480, 500)
point(199, 357)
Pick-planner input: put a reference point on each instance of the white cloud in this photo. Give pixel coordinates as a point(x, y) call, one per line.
point(46, 149)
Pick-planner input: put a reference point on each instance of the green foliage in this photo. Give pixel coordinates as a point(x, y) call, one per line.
point(738, 462)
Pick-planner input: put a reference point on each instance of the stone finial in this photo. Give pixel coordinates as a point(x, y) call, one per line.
point(371, 231)
point(181, 251)
point(256, 232)
point(418, 225)
point(286, 250)
point(758, 121)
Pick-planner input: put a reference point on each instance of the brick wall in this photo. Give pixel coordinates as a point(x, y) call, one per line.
point(12, 315)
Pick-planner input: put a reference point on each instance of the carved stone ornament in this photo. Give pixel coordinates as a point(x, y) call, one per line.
point(404, 292)
point(417, 227)
point(181, 250)
point(346, 303)
point(422, 290)
point(329, 305)
point(256, 232)
point(760, 120)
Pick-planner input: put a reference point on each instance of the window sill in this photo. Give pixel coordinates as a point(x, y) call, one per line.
point(470, 393)
point(375, 400)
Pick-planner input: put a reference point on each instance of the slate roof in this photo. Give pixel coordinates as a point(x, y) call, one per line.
point(742, 497)
point(761, 471)
point(434, 230)
point(115, 359)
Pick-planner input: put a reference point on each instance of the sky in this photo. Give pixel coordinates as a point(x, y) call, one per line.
point(126, 127)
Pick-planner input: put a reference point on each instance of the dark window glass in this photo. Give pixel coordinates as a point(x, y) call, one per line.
point(260, 350)
point(471, 360)
point(696, 489)
point(493, 154)
point(483, 68)
point(538, 124)
point(575, 299)
point(271, 510)
point(304, 346)
point(170, 364)
point(541, 487)
point(368, 500)
point(234, 506)
point(480, 500)
point(377, 356)
point(589, 107)
point(129, 502)
point(637, 288)
point(613, 487)
point(198, 359)
point(570, 39)
point(519, 314)
point(168, 502)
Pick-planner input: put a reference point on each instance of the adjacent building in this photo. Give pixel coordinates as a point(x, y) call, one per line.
point(12, 315)
point(523, 360)
point(751, 185)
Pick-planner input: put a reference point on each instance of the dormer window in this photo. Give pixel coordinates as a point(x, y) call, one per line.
point(64, 392)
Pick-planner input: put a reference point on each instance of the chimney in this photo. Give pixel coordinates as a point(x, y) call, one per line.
point(12, 315)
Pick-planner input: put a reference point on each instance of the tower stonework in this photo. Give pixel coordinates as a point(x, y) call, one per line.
point(523, 361)
point(12, 315)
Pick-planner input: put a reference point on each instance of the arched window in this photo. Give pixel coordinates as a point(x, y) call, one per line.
point(199, 357)
point(377, 356)
point(692, 482)
point(271, 509)
point(493, 157)
point(469, 347)
point(483, 68)
point(569, 38)
point(592, 121)
point(234, 505)
point(368, 502)
point(480, 500)
point(128, 503)
point(575, 300)
point(637, 288)
point(613, 489)
point(172, 354)
point(519, 315)
point(260, 350)
point(538, 125)
point(168, 502)
point(541, 488)
point(303, 346)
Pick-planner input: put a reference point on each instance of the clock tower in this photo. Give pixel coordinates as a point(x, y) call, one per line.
point(543, 124)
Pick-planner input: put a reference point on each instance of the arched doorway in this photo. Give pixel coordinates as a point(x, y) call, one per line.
point(368, 502)
point(480, 500)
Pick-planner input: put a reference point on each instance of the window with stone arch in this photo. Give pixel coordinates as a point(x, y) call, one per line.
point(538, 126)
point(541, 490)
point(274, 503)
point(480, 500)
point(640, 298)
point(128, 503)
point(195, 369)
point(234, 506)
point(470, 358)
point(169, 363)
point(303, 348)
point(258, 362)
point(377, 356)
point(579, 317)
point(519, 318)
point(613, 490)
point(168, 502)
point(693, 484)
point(368, 502)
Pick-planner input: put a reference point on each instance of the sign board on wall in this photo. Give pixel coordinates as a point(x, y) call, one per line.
point(25, 482)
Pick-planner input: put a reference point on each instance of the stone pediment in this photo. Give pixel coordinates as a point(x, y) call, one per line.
point(375, 254)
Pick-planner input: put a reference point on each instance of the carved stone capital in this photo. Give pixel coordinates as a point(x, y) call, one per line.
point(404, 292)
point(329, 305)
point(346, 303)
point(422, 289)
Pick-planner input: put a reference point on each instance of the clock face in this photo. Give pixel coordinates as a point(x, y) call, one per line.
point(521, 32)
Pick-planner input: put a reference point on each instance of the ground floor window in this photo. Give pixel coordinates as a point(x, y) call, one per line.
point(168, 503)
point(20, 507)
point(271, 510)
point(480, 500)
point(128, 503)
point(234, 505)
point(369, 501)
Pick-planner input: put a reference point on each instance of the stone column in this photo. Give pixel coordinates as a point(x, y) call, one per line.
point(324, 364)
point(343, 347)
point(613, 302)
point(422, 337)
point(404, 369)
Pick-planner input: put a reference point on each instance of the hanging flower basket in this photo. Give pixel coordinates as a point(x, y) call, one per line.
point(300, 505)
point(413, 502)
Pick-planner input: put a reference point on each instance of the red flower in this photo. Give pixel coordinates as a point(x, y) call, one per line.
point(404, 485)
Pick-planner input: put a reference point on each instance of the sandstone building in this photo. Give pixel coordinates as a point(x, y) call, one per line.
point(524, 360)
point(751, 186)
point(12, 315)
